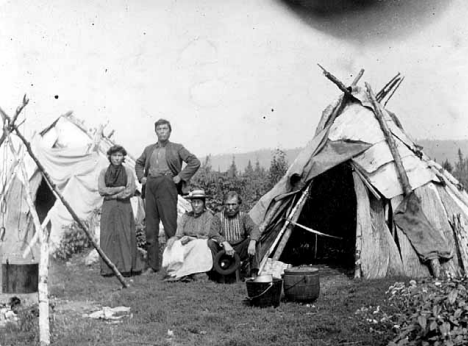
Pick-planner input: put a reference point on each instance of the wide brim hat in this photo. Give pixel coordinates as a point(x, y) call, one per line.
point(225, 264)
point(200, 194)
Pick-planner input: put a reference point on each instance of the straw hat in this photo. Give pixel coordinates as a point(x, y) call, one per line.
point(200, 194)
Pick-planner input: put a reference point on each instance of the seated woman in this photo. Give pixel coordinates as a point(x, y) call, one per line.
point(187, 253)
point(118, 236)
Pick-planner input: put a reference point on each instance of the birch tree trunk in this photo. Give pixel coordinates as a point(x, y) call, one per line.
point(43, 291)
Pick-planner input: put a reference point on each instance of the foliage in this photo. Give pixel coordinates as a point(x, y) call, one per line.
point(430, 312)
point(447, 166)
point(278, 167)
point(74, 239)
point(461, 169)
point(141, 235)
point(251, 184)
point(433, 312)
point(232, 171)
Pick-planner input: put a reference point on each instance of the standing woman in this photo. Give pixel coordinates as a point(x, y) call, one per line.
point(118, 237)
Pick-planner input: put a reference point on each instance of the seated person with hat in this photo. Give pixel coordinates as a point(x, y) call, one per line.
point(187, 253)
point(235, 234)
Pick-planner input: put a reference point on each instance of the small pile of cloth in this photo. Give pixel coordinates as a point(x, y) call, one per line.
point(8, 312)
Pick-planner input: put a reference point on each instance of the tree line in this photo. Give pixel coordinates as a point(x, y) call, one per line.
point(459, 169)
point(255, 180)
point(252, 183)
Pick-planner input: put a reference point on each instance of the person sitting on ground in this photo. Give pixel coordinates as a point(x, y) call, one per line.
point(236, 232)
point(116, 184)
point(187, 253)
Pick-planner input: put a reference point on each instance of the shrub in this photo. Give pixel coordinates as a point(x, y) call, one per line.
point(75, 240)
point(431, 312)
point(141, 235)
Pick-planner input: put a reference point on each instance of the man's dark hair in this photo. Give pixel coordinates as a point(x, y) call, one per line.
point(163, 122)
point(232, 194)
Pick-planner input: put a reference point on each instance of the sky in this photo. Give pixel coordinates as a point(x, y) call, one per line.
point(235, 75)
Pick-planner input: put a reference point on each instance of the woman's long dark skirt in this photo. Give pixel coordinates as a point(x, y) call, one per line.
point(118, 238)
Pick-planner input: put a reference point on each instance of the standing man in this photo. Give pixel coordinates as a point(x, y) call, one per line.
point(236, 232)
point(159, 169)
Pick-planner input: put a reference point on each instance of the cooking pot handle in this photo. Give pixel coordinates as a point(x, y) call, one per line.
point(261, 294)
point(297, 283)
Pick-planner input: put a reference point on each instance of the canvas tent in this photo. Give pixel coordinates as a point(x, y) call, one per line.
point(346, 184)
point(73, 156)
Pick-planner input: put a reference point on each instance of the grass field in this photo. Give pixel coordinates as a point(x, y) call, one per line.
point(200, 313)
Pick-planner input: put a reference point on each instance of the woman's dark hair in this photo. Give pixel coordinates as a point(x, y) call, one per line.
point(116, 149)
point(163, 122)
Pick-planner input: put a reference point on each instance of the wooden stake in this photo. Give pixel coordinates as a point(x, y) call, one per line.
point(13, 169)
point(394, 90)
point(381, 94)
point(43, 292)
point(337, 82)
point(358, 77)
point(291, 211)
point(391, 142)
point(8, 122)
point(364, 180)
point(344, 99)
point(35, 238)
point(289, 224)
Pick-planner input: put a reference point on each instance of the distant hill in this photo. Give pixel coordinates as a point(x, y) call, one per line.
point(439, 150)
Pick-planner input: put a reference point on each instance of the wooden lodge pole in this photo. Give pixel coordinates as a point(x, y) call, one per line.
point(289, 224)
point(289, 212)
point(402, 176)
point(8, 122)
point(337, 82)
point(394, 89)
point(387, 87)
point(347, 93)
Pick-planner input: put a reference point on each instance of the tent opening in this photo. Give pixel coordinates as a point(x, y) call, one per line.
point(330, 209)
point(45, 200)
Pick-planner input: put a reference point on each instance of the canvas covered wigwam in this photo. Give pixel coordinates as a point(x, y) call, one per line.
point(73, 156)
point(357, 213)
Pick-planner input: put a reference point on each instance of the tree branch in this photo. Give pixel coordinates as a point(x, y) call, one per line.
point(336, 81)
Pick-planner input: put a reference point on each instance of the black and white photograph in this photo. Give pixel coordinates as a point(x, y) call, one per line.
point(233, 173)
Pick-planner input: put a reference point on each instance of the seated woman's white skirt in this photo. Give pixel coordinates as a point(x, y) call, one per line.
point(191, 258)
